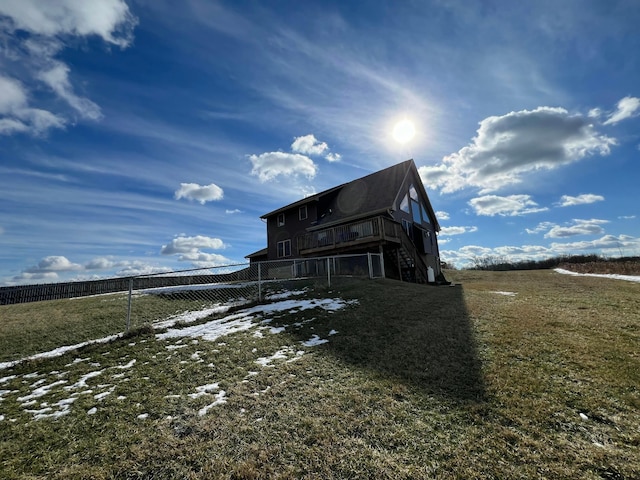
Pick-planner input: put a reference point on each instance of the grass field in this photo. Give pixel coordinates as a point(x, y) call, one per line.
point(505, 375)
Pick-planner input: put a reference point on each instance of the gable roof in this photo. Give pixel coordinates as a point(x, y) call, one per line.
point(373, 193)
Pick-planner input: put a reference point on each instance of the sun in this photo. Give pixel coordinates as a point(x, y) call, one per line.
point(404, 131)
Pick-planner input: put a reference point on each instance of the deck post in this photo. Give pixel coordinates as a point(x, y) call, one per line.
point(370, 265)
point(329, 272)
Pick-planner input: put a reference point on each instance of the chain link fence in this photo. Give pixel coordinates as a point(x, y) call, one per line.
point(187, 295)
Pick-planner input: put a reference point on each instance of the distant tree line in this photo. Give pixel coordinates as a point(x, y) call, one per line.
point(501, 263)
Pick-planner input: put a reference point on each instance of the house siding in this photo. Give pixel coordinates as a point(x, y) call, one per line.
point(378, 195)
point(292, 228)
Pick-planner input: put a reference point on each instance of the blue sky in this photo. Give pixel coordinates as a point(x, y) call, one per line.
point(147, 135)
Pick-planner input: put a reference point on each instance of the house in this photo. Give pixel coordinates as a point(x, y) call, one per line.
point(386, 212)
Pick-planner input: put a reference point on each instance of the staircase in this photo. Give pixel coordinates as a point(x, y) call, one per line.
point(409, 263)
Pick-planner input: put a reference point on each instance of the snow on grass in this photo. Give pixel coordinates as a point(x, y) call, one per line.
point(59, 351)
point(314, 341)
point(32, 402)
point(629, 278)
point(190, 317)
point(506, 294)
point(220, 399)
point(40, 391)
point(246, 318)
point(286, 294)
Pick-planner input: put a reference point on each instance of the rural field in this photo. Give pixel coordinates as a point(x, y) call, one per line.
point(526, 374)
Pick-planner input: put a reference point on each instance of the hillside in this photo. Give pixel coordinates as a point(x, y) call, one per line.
point(504, 375)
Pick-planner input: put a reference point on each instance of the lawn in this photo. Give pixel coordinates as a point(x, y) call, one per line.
point(504, 375)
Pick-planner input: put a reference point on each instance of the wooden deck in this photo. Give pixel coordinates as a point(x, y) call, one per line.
point(377, 230)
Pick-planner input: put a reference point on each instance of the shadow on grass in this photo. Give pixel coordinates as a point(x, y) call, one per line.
point(419, 335)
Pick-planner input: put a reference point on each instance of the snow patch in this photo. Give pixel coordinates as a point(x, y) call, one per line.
point(629, 278)
point(315, 340)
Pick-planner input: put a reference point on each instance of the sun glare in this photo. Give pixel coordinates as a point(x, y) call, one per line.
point(404, 131)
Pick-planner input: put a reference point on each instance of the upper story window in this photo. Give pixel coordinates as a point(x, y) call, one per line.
point(302, 213)
point(404, 205)
point(280, 219)
point(425, 217)
point(413, 193)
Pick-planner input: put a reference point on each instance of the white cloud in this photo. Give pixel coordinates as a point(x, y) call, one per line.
point(202, 259)
point(53, 263)
point(594, 113)
point(135, 268)
point(510, 206)
point(109, 19)
point(509, 146)
point(585, 198)
point(627, 217)
point(30, 56)
point(200, 193)
point(607, 244)
point(436, 176)
point(191, 245)
point(102, 263)
point(41, 277)
point(627, 107)
point(189, 249)
point(309, 145)
point(15, 114)
point(440, 215)
point(445, 231)
point(232, 212)
point(579, 227)
point(542, 227)
point(268, 166)
point(57, 78)
point(12, 95)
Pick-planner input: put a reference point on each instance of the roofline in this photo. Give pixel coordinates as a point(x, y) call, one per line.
point(310, 198)
point(262, 251)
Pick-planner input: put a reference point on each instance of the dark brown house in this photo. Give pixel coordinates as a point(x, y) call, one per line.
point(386, 212)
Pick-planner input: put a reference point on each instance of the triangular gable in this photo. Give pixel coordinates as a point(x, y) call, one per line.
point(370, 195)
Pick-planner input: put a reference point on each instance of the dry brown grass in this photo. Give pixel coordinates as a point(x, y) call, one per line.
point(419, 382)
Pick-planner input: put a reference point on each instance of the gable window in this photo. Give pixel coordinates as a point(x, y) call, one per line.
point(303, 212)
point(415, 212)
point(404, 205)
point(284, 248)
point(412, 193)
point(280, 219)
point(425, 217)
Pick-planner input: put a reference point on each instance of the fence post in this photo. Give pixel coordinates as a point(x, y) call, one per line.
point(259, 282)
point(329, 272)
point(370, 265)
point(129, 305)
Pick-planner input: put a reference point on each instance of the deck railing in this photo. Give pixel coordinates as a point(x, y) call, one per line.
point(371, 229)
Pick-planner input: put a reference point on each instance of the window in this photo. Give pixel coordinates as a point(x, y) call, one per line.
point(425, 217)
point(284, 248)
point(415, 211)
point(280, 219)
point(303, 213)
point(412, 193)
point(404, 205)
